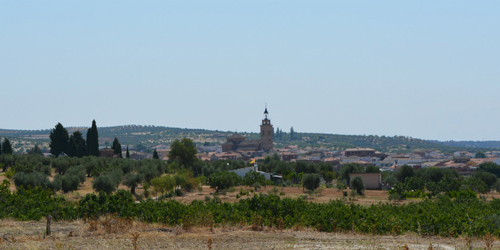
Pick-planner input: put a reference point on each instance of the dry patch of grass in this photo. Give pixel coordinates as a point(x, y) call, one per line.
point(137, 235)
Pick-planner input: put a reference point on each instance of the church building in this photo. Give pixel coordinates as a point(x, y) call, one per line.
point(239, 142)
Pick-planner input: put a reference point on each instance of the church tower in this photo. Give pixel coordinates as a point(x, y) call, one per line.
point(266, 132)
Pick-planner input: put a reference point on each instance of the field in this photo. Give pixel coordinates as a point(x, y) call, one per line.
point(109, 232)
point(77, 235)
point(327, 194)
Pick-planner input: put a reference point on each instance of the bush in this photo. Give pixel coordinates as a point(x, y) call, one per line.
point(61, 165)
point(253, 177)
point(474, 184)
point(181, 180)
point(311, 181)
point(488, 178)
point(395, 197)
point(329, 176)
point(461, 194)
point(132, 180)
point(30, 180)
point(178, 192)
point(107, 182)
point(358, 185)
point(341, 185)
point(149, 172)
point(163, 184)
point(223, 180)
point(78, 171)
point(68, 182)
point(256, 186)
point(404, 172)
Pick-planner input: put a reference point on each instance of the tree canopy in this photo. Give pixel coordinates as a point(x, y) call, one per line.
point(349, 168)
point(252, 177)
point(76, 145)
point(93, 140)
point(6, 147)
point(35, 151)
point(311, 181)
point(358, 185)
point(183, 151)
point(223, 180)
point(58, 140)
point(480, 154)
point(117, 148)
point(490, 167)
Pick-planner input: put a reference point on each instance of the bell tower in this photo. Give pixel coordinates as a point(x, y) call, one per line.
point(266, 132)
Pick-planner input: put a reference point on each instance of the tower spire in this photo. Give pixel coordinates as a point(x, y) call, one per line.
point(266, 132)
point(266, 113)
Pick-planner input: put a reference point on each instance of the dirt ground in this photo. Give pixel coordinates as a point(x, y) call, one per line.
point(77, 235)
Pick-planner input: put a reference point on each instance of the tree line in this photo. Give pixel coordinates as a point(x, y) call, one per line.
point(61, 143)
point(6, 147)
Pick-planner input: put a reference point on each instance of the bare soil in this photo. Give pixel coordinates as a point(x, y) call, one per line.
point(77, 235)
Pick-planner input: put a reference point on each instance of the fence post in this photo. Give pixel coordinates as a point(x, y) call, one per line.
point(47, 230)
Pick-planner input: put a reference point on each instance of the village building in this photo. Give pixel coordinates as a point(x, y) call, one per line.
point(364, 152)
point(237, 142)
point(371, 180)
point(106, 152)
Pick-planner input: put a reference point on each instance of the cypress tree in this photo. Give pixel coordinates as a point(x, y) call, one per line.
point(127, 155)
point(77, 146)
point(93, 140)
point(1, 146)
point(117, 147)
point(35, 151)
point(155, 155)
point(71, 150)
point(6, 147)
point(58, 140)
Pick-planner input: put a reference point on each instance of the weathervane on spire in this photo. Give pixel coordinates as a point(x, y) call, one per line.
point(266, 113)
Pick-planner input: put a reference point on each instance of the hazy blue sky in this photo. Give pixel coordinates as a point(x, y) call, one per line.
point(426, 69)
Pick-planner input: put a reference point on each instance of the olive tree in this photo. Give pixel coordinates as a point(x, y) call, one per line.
point(358, 185)
point(311, 181)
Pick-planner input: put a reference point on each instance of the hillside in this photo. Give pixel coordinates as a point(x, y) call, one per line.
point(143, 137)
point(472, 144)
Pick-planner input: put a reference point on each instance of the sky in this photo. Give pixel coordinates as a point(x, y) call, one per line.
point(425, 69)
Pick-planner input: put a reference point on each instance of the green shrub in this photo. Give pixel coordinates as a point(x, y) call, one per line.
point(256, 186)
point(341, 185)
point(132, 180)
point(395, 197)
point(358, 185)
point(223, 180)
point(68, 182)
point(253, 177)
point(311, 181)
point(104, 183)
point(178, 192)
point(30, 180)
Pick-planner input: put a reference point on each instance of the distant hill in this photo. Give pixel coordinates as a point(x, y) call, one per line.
point(144, 137)
point(472, 144)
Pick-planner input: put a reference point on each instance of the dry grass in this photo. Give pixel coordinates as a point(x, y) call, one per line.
point(76, 235)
